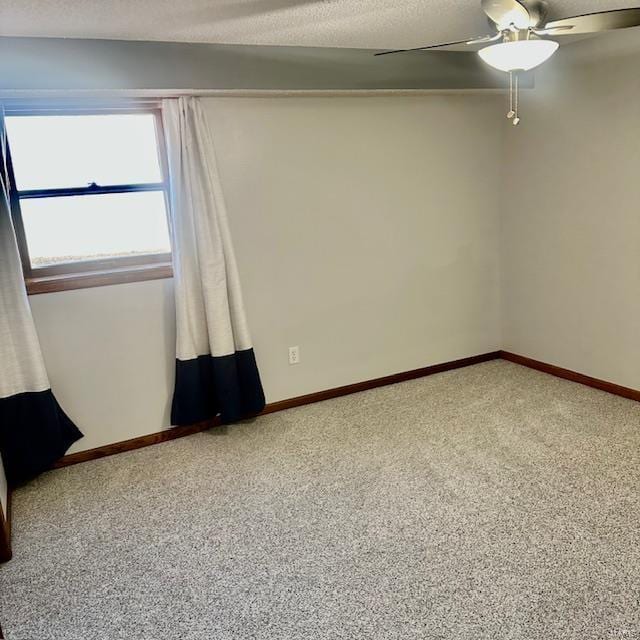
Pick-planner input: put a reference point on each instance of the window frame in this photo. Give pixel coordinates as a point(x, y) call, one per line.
point(89, 273)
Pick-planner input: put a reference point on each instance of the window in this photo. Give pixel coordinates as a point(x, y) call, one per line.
point(89, 198)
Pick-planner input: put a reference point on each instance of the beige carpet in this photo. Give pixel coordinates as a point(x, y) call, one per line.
point(490, 503)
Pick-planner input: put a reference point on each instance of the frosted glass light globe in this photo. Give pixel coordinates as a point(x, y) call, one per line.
point(520, 55)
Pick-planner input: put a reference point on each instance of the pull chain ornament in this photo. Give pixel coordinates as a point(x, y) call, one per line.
point(514, 98)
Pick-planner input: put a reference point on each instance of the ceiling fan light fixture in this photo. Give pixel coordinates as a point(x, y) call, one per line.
point(520, 55)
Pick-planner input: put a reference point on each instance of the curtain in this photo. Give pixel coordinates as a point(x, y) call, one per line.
point(34, 431)
point(216, 371)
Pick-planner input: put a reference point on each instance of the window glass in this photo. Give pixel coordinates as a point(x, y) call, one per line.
point(90, 187)
point(71, 229)
point(76, 150)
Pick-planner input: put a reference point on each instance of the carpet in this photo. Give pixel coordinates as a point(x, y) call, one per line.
point(492, 502)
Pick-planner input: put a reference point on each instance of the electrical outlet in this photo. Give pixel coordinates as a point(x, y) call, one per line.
point(294, 355)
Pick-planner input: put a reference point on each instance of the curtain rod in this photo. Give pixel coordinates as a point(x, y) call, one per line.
point(156, 94)
point(29, 102)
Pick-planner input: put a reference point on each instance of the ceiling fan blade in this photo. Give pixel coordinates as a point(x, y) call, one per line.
point(507, 12)
point(478, 40)
point(552, 31)
point(602, 21)
point(483, 39)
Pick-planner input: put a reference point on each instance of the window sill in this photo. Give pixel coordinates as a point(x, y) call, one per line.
point(103, 278)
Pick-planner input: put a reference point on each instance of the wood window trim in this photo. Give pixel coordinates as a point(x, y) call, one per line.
point(90, 273)
point(87, 279)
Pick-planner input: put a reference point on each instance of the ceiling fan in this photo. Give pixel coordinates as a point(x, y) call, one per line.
point(521, 31)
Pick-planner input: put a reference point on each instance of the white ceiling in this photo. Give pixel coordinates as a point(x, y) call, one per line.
point(369, 24)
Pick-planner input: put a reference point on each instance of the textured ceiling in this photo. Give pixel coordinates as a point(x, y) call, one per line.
point(369, 24)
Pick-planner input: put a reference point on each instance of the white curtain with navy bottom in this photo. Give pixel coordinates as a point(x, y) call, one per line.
point(216, 371)
point(34, 430)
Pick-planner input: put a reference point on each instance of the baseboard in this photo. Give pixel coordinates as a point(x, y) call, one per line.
point(348, 389)
point(5, 533)
point(134, 443)
point(179, 432)
point(574, 376)
point(327, 394)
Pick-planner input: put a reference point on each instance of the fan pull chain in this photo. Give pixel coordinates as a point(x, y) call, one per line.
point(516, 119)
point(511, 111)
point(514, 98)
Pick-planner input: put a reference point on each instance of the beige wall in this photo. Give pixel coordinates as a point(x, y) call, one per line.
point(364, 232)
point(367, 233)
point(108, 355)
point(571, 214)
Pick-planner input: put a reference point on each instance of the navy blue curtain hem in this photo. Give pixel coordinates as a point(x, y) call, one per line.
point(209, 386)
point(34, 433)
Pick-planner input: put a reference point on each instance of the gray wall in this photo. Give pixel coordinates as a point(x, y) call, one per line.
point(54, 63)
point(571, 221)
